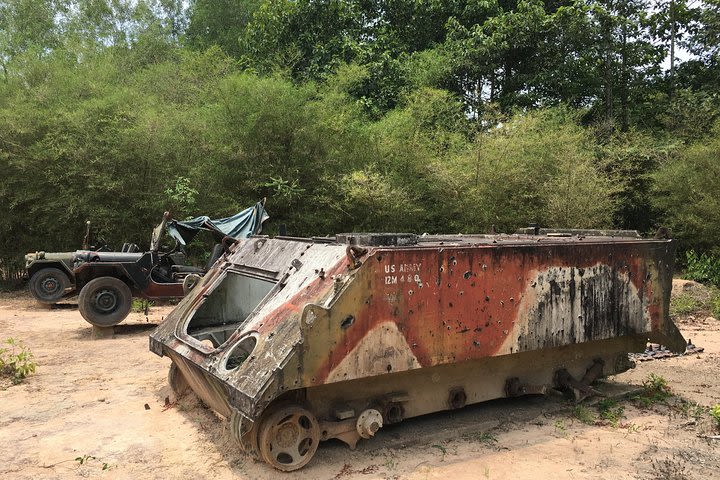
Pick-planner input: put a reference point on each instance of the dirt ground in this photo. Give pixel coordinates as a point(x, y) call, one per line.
point(97, 409)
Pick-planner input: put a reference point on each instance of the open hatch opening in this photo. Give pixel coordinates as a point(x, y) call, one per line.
point(227, 307)
point(240, 352)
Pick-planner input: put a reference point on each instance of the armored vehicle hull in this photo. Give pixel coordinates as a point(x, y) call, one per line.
point(297, 341)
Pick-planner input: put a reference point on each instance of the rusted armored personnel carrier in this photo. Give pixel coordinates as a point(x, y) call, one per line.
point(297, 341)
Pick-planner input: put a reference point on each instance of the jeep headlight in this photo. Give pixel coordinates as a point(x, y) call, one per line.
point(29, 258)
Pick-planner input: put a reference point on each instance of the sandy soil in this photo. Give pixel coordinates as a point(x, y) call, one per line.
point(102, 409)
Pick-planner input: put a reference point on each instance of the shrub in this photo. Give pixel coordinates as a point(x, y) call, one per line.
point(685, 190)
point(535, 168)
point(683, 304)
point(702, 267)
point(16, 360)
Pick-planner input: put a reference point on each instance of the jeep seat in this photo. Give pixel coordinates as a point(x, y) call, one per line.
point(130, 248)
point(187, 269)
point(217, 251)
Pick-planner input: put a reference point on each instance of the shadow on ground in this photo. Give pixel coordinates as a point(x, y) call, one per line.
point(133, 329)
point(472, 421)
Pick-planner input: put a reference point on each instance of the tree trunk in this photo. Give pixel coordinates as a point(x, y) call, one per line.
point(672, 48)
point(624, 121)
point(607, 67)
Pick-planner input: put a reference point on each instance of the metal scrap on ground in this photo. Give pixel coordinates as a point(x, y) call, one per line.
point(655, 351)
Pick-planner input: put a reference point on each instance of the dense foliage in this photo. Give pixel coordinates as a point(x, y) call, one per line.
point(355, 115)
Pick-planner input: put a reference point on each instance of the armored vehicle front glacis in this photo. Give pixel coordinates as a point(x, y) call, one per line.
point(297, 341)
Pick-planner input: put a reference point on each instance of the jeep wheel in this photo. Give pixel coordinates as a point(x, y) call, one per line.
point(48, 285)
point(105, 301)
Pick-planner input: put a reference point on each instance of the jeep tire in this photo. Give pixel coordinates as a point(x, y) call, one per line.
point(105, 301)
point(48, 285)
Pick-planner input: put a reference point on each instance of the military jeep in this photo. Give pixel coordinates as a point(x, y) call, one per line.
point(108, 281)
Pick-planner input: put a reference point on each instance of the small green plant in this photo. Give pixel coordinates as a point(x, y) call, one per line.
point(16, 360)
point(582, 413)
point(702, 267)
point(482, 437)
point(560, 426)
point(670, 469)
point(690, 409)
point(287, 189)
point(487, 438)
point(610, 411)
point(84, 459)
point(715, 414)
point(140, 305)
point(181, 195)
point(683, 304)
point(655, 389)
point(443, 451)
point(630, 427)
point(390, 461)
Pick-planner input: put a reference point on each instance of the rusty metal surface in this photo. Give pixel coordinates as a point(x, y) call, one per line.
point(363, 330)
point(447, 300)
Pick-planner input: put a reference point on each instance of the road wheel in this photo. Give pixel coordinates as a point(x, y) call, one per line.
point(177, 381)
point(288, 437)
point(105, 301)
point(48, 285)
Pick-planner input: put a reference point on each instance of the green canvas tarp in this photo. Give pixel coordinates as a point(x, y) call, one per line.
point(241, 225)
